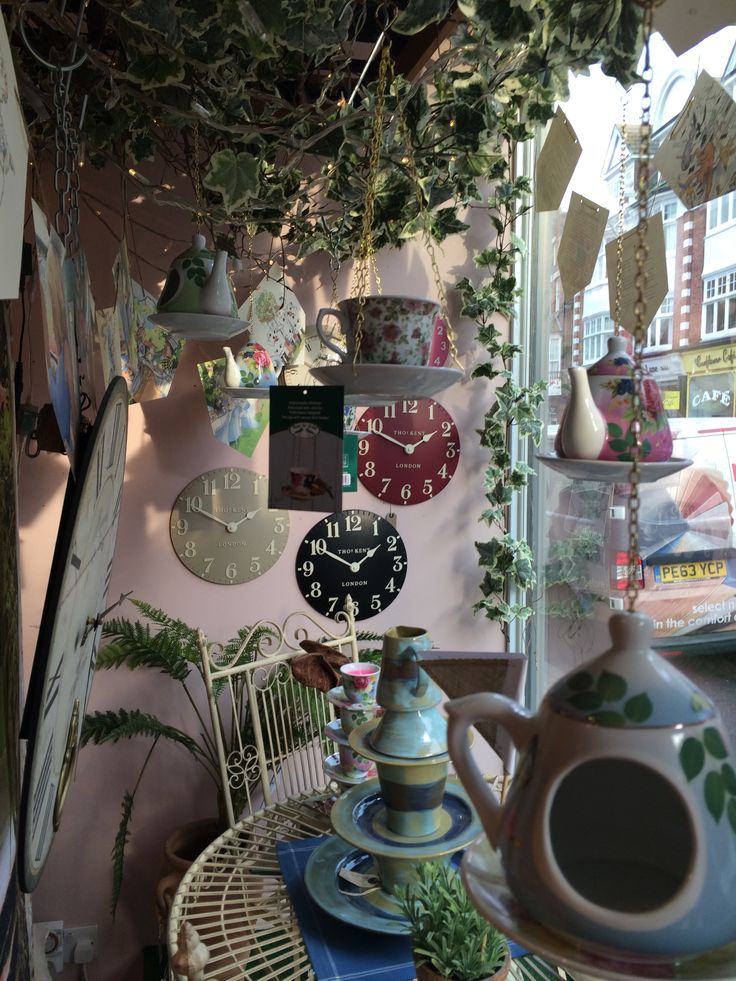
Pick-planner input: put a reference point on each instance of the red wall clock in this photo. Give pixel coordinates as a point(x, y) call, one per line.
point(410, 453)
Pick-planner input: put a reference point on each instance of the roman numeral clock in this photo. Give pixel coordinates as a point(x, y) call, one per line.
point(69, 633)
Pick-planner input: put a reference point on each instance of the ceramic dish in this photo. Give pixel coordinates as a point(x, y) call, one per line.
point(382, 384)
point(374, 911)
point(337, 697)
point(199, 326)
point(486, 885)
point(331, 766)
point(612, 471)
point(247, 391)
point(334, 731)
point(360, 741)
point(358, 817)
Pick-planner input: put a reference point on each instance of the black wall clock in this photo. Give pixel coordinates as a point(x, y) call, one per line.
point(356, 553)
point(66, 650)
point(410, 453)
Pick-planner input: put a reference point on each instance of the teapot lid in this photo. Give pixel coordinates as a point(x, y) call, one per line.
point(630, 685)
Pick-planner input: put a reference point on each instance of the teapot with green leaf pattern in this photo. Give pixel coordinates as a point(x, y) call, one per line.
point(619, 828)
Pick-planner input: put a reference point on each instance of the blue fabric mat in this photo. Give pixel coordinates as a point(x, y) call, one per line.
point(338, 951)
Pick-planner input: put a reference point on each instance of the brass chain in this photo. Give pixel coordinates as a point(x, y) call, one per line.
point(640, 309)
point(196, 178)
point(366, 258)
point(411, 165)
point(620, 225)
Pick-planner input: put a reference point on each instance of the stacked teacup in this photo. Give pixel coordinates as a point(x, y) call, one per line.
point(355, 700)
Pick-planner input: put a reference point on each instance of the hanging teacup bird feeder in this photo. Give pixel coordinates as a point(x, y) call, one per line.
point(396, 346)
point(615, 850)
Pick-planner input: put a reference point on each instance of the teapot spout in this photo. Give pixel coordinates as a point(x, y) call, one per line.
point(217, 297)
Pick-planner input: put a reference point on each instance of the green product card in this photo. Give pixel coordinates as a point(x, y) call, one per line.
point(350, 462)
point(305, 460)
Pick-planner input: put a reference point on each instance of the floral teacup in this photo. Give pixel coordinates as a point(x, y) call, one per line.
point(395, 329)
point(359, 682)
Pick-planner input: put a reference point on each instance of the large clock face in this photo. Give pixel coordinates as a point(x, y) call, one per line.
point(410, 453)
point(70, 629)
point(351, 553)
point(222, 529)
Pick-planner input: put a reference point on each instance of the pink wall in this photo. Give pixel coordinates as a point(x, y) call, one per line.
point(170, 442)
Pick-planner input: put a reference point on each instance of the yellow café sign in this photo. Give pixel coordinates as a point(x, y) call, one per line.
point(710, 360)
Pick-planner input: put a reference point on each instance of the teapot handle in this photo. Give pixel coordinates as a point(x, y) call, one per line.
point(462, 713)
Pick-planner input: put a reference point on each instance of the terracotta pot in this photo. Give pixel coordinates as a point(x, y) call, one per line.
point(425, 972)
point(181, 848)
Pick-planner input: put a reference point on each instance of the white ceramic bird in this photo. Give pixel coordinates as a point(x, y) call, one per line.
point(191, 955)
point(231, 374)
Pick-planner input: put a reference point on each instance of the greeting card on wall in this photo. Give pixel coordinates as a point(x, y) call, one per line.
point(556, 162)
point(580, 243)
point(239, 423)
point(61, 347)
point(305, 448)
point(275, 318)
point(656, 270)
point(81, 312)
point(13, 166)
point(149, 355)
point(698, 158)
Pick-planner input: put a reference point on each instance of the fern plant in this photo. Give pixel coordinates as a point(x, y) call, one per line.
point(161, 643)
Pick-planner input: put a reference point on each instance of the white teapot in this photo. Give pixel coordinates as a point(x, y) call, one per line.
point(619, 829)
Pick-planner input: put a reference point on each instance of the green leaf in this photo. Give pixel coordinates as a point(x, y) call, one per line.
point(692, 757)
point(714, 743)
point(608, 718)
point(715, 794)
point(118, 851)
point(586, 701)
point(729, 778)
point(618, 445)
point(611, 686)
point(235, 176)
point(638, 708)
point(580, 681)
point(153, 69)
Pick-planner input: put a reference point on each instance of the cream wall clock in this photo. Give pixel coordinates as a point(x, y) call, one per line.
point(222, 529)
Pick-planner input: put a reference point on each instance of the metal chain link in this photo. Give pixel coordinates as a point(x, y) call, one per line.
point(620, 225)
point(640, 308)
point(197, 179)
point(365, 257)
point(411, 164)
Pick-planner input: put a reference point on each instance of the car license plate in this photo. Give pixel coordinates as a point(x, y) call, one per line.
point(689, 571)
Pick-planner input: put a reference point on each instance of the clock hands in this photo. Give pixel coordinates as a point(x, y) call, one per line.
point(230, 525)
point(94, 622)
point(353, 566)
point(408, 448)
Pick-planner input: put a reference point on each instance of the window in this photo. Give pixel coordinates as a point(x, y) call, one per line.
point(599, 273)
point(669, 219)
point(596, 331)
point(719, 304)
point(722, 210)
point(659, 333)
point(555, 357)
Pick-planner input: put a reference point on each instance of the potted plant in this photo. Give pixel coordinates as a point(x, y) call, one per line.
point(450, 939)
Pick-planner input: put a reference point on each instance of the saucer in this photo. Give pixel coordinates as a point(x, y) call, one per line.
point(334, 731)
point(247, 391)
point(199, 326)
point(331, 766)
point(340, 898)
point(486, 885)
point(358, 817)
point(612, 471)
point(359, 740)
point(382, 384)
point(337, 697)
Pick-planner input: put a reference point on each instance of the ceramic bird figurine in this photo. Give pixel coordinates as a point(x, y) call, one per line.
point(191, 955)
point(231, 375)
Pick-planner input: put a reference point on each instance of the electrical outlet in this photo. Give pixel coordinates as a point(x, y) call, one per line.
point(80, 944)
point(50, 936)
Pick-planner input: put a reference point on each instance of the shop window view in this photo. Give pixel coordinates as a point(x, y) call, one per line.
point(687, 545)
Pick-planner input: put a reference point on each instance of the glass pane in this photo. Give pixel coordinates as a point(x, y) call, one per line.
point(580, 528)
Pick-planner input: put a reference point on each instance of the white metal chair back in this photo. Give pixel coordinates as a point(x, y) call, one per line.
point(268, 727)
